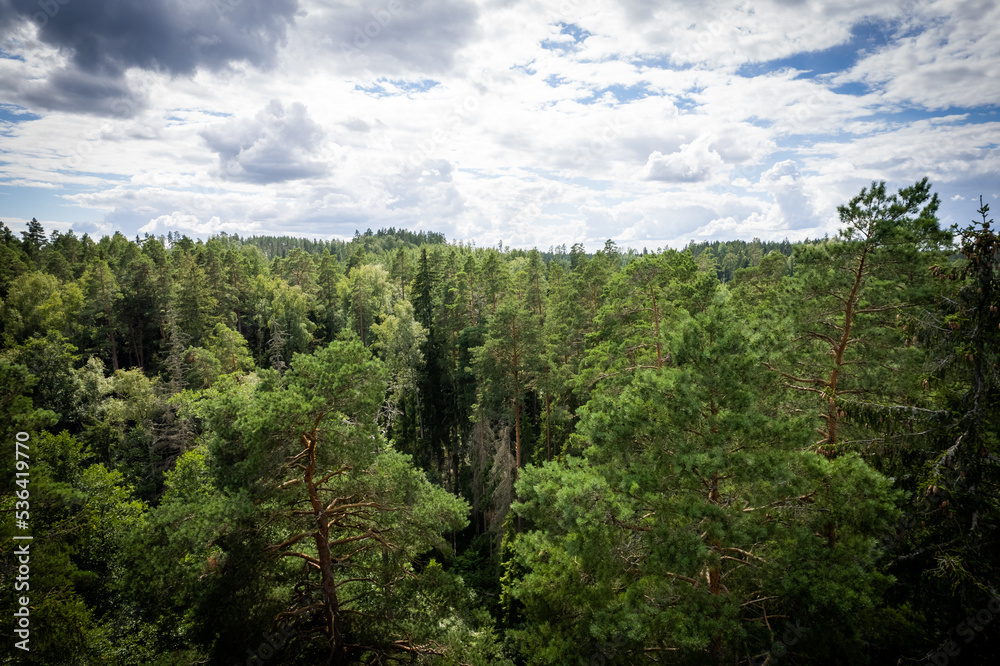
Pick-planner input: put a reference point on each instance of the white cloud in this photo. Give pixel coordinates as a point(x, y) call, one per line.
point(272, 147)
point(950, 61)
point(192, 224)
point(694, 162)
point(792, 207)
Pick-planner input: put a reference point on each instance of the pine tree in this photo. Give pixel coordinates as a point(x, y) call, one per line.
point(639, 303)
point(327, 294)
point(174, 434)
point(947, 457)
point(103, 298)
point(369, 294)
point(854, 289)
point(691, 522)
point(401, 272)
point(33, 239)
point(193, 303)
point(507, 366)
point(354, 512)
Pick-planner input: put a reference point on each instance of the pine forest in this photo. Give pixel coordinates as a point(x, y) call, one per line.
point(398, 449)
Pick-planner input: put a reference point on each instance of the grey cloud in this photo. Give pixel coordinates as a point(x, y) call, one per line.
point(78, 91)
point(398, 36)
point(357, 125)
point(176, 36)
point(274, 146)
point(104, 38)
point(427, 190)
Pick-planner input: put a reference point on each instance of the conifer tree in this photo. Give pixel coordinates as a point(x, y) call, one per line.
point(853, 289)
point(354, 512)
point(327, 295)
point(693, 519)
point(506, 366)
point(103, 297)
point(193, 303)
point(33, 239)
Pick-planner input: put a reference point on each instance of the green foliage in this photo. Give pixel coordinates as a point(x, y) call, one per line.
point(399, 340)
point(17, 410)
point(310, 434)
point(694, 515)
point(328, 316)
point(103, 295)
point(80, 516)
point(193, 302)
point(641, 300)
point(947, 458)
point(225, 352)
point(237, 437)
point(37, 303)
point(851, 295)
point(368, 295)
point(50, 362)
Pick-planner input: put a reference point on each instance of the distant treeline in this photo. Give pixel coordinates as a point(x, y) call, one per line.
point(383, 240)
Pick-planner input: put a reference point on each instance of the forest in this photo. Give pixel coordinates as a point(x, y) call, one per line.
point(403, 450)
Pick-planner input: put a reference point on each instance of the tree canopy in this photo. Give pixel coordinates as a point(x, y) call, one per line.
point(394, 449)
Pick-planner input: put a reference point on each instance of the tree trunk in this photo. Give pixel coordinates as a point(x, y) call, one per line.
point(517, 447)
point(832, 413)
point(331, 604)
point(135, 346)
point(111, 340)
point(656, 328)
point(548, 423)
point(517, 435)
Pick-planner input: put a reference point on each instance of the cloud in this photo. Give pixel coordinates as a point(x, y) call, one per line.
point(945, 57)
point(103, 39)
point(272, 147)
point(694, 162)
point(783, 182)
point(80, 91)
point(394, 37)
point(175, 36)
point(178, 221)
point(718, 33)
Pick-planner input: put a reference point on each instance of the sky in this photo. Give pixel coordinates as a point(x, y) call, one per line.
point(527, 123)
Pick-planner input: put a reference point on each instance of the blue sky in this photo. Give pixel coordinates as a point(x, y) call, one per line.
point(535, 123)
